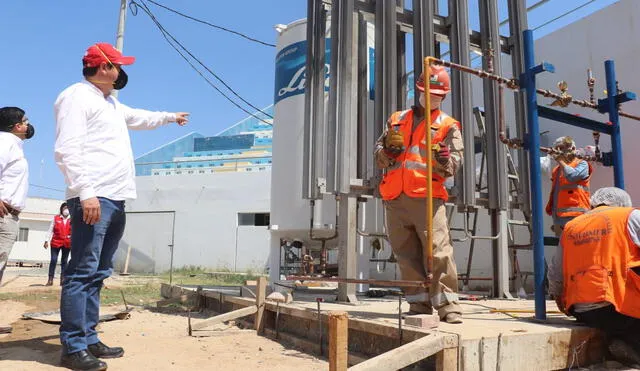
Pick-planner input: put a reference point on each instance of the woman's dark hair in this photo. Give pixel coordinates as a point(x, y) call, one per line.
point(64, 204)
point(9, 116)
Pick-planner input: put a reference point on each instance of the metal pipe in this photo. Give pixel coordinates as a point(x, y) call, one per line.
point(517, 23)
point(387, 283)
point(423, 37)
point(614, 118)
point(461, 102)
point(314, 97)
point(362, 169)
point(330, 139)
point(476, 237)
point(429, 199)
point(529, 80)
point(513, 84)
point(312, 204)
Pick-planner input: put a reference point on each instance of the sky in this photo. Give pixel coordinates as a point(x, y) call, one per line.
point(43, 43)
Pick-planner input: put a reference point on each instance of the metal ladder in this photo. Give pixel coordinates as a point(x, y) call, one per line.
point(514, 187)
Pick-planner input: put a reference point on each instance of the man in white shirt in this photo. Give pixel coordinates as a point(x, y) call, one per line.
point(14, 180)
point(93, 151)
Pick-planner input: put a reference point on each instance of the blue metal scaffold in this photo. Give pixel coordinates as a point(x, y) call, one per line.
point(608, 105)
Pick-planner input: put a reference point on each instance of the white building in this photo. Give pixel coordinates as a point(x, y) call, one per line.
point(34, 225)
point(202, 201)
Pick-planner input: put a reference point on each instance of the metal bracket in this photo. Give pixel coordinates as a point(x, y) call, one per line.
point(603, 104)
point(321, 183)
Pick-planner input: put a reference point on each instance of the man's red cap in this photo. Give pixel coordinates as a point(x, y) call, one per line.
point(104, 53)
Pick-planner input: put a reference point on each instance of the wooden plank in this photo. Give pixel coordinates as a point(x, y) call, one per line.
point(403, 356)
point(338, 341)
point(447, 359)
point(225, 317)
point(261, 291)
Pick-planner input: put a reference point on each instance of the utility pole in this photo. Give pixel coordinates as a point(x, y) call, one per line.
point(120, 33)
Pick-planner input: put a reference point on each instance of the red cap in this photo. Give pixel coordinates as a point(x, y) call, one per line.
point(104, 53)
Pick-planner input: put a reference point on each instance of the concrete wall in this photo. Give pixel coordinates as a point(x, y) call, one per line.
point(36, 217)
point(206, 231)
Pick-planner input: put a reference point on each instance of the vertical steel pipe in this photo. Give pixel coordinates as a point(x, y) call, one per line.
point(461, 97)
point(314, 97)
point(423, 38)
point(533, 145)
point(614, 118)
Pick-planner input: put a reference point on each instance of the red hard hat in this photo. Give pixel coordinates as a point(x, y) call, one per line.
point(439, 81)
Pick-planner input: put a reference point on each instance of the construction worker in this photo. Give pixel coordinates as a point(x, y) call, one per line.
point(401, 151)
point(595, 274)
point(569, 196)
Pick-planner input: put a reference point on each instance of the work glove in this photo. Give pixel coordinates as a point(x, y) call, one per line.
point(394, 142)
point(443, 154)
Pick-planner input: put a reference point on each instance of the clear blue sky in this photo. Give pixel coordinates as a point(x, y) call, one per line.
point(43, 43)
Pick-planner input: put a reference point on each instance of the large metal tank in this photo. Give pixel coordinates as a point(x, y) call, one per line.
point(290, 213)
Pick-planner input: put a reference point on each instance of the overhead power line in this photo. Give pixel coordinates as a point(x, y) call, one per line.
point(212, 25)
point(172, 41)
point(44, 187)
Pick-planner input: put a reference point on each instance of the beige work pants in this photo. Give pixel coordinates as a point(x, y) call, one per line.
point(406, 223)
point(8, 233)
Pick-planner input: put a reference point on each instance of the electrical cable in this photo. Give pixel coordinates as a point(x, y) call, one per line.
point(134, 5)
point(213, 25)
point(44, 187)
point(549, 21)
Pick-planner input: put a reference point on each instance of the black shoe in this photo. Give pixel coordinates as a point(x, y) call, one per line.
point(82, 360)
point(102, 351)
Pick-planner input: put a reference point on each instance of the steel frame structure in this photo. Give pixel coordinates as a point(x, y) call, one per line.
point(337, 149)
point(337, 154)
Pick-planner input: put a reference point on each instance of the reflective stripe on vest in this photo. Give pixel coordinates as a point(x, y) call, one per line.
point(598, 257)
point(408, 174)
point(573, 198)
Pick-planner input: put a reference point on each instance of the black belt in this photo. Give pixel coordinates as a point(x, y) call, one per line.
point(11, 210)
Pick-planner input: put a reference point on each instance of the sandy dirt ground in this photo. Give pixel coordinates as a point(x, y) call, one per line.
point(152, 341)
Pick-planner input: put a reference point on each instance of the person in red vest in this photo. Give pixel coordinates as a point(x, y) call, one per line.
point(595, 274)
point(401, 152)
point(569, 196)
point(60, 236)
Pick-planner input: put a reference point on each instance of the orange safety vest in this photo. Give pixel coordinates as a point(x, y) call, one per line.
point(573, 197)
point(598, 255)
point(409, 173)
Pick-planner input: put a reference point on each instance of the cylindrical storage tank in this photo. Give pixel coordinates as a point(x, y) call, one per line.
point(290, 213)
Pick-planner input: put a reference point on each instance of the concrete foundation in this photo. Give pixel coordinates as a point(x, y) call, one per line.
point(487, 340)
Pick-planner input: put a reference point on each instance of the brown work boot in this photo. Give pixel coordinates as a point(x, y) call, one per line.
point(420, 308)
point(453, 317)
point(50, 282)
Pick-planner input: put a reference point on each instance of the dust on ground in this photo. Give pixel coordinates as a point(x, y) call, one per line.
point(152, 339)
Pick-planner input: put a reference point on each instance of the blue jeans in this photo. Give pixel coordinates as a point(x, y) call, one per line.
point(54, 260)
point(92, 250)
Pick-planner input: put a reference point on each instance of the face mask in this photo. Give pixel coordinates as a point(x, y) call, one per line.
point(31, 131)
point(436, 101)
point(421, 100)
point(121, 81)
point(65, 212)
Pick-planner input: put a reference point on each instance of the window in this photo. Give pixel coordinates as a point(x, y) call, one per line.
point(255, 219)
point(156, 173)
point(23, 235)
point(201, 171)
